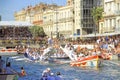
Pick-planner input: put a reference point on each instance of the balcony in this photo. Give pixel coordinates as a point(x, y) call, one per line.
point(109, 14)
point(38, 22)
point(66, 19)
point(62, 20)
point(69, 19)
point(108, 29)
point(48, 22)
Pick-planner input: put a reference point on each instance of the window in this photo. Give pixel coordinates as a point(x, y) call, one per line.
point(78, 31)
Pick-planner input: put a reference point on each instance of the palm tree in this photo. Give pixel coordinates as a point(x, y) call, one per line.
point(97, 15)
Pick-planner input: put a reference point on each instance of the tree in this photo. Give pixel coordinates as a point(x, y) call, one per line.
point(97, 15)
point(37, 31)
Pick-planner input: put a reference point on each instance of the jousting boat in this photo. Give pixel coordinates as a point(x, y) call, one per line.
point(89, 61)
point(9, 51)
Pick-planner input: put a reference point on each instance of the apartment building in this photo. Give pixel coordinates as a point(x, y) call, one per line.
point(54, 19)
point(65, 20)
point(20, 16)
point(74, 19)
point(58, 20)
point(48, 22)
point(33, 14)
point(111, 15)
point(84, 23)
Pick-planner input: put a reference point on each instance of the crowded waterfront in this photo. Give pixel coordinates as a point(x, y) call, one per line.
point(60, 40)
point(74, 60)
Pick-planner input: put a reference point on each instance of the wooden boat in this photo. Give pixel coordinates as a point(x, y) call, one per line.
point(9, 51)
point(90, 61)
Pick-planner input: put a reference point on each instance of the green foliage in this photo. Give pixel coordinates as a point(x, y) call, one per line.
point(37, 31)
point(97, 14)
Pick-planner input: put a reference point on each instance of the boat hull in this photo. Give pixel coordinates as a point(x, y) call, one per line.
point(92, 61)
point(8, 52)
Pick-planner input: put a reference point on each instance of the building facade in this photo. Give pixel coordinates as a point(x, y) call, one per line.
point(54, 19)
point(32, 14)
point(73, 19)
point(65, 20)
point(58, 20)
point(48, 22)
point(84, 23)
point(111, 15)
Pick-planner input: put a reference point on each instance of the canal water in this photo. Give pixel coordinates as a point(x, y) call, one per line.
point(110, 70)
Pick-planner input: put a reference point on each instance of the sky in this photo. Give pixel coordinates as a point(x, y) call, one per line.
point(9, 7)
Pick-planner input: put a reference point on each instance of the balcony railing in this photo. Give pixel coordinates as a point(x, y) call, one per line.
point(115, 13)
point(108, 14)
point(65, 19)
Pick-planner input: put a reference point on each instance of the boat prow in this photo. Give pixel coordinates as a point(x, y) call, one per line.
point(90, 61)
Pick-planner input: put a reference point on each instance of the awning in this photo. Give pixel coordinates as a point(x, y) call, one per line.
point(15, 23)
